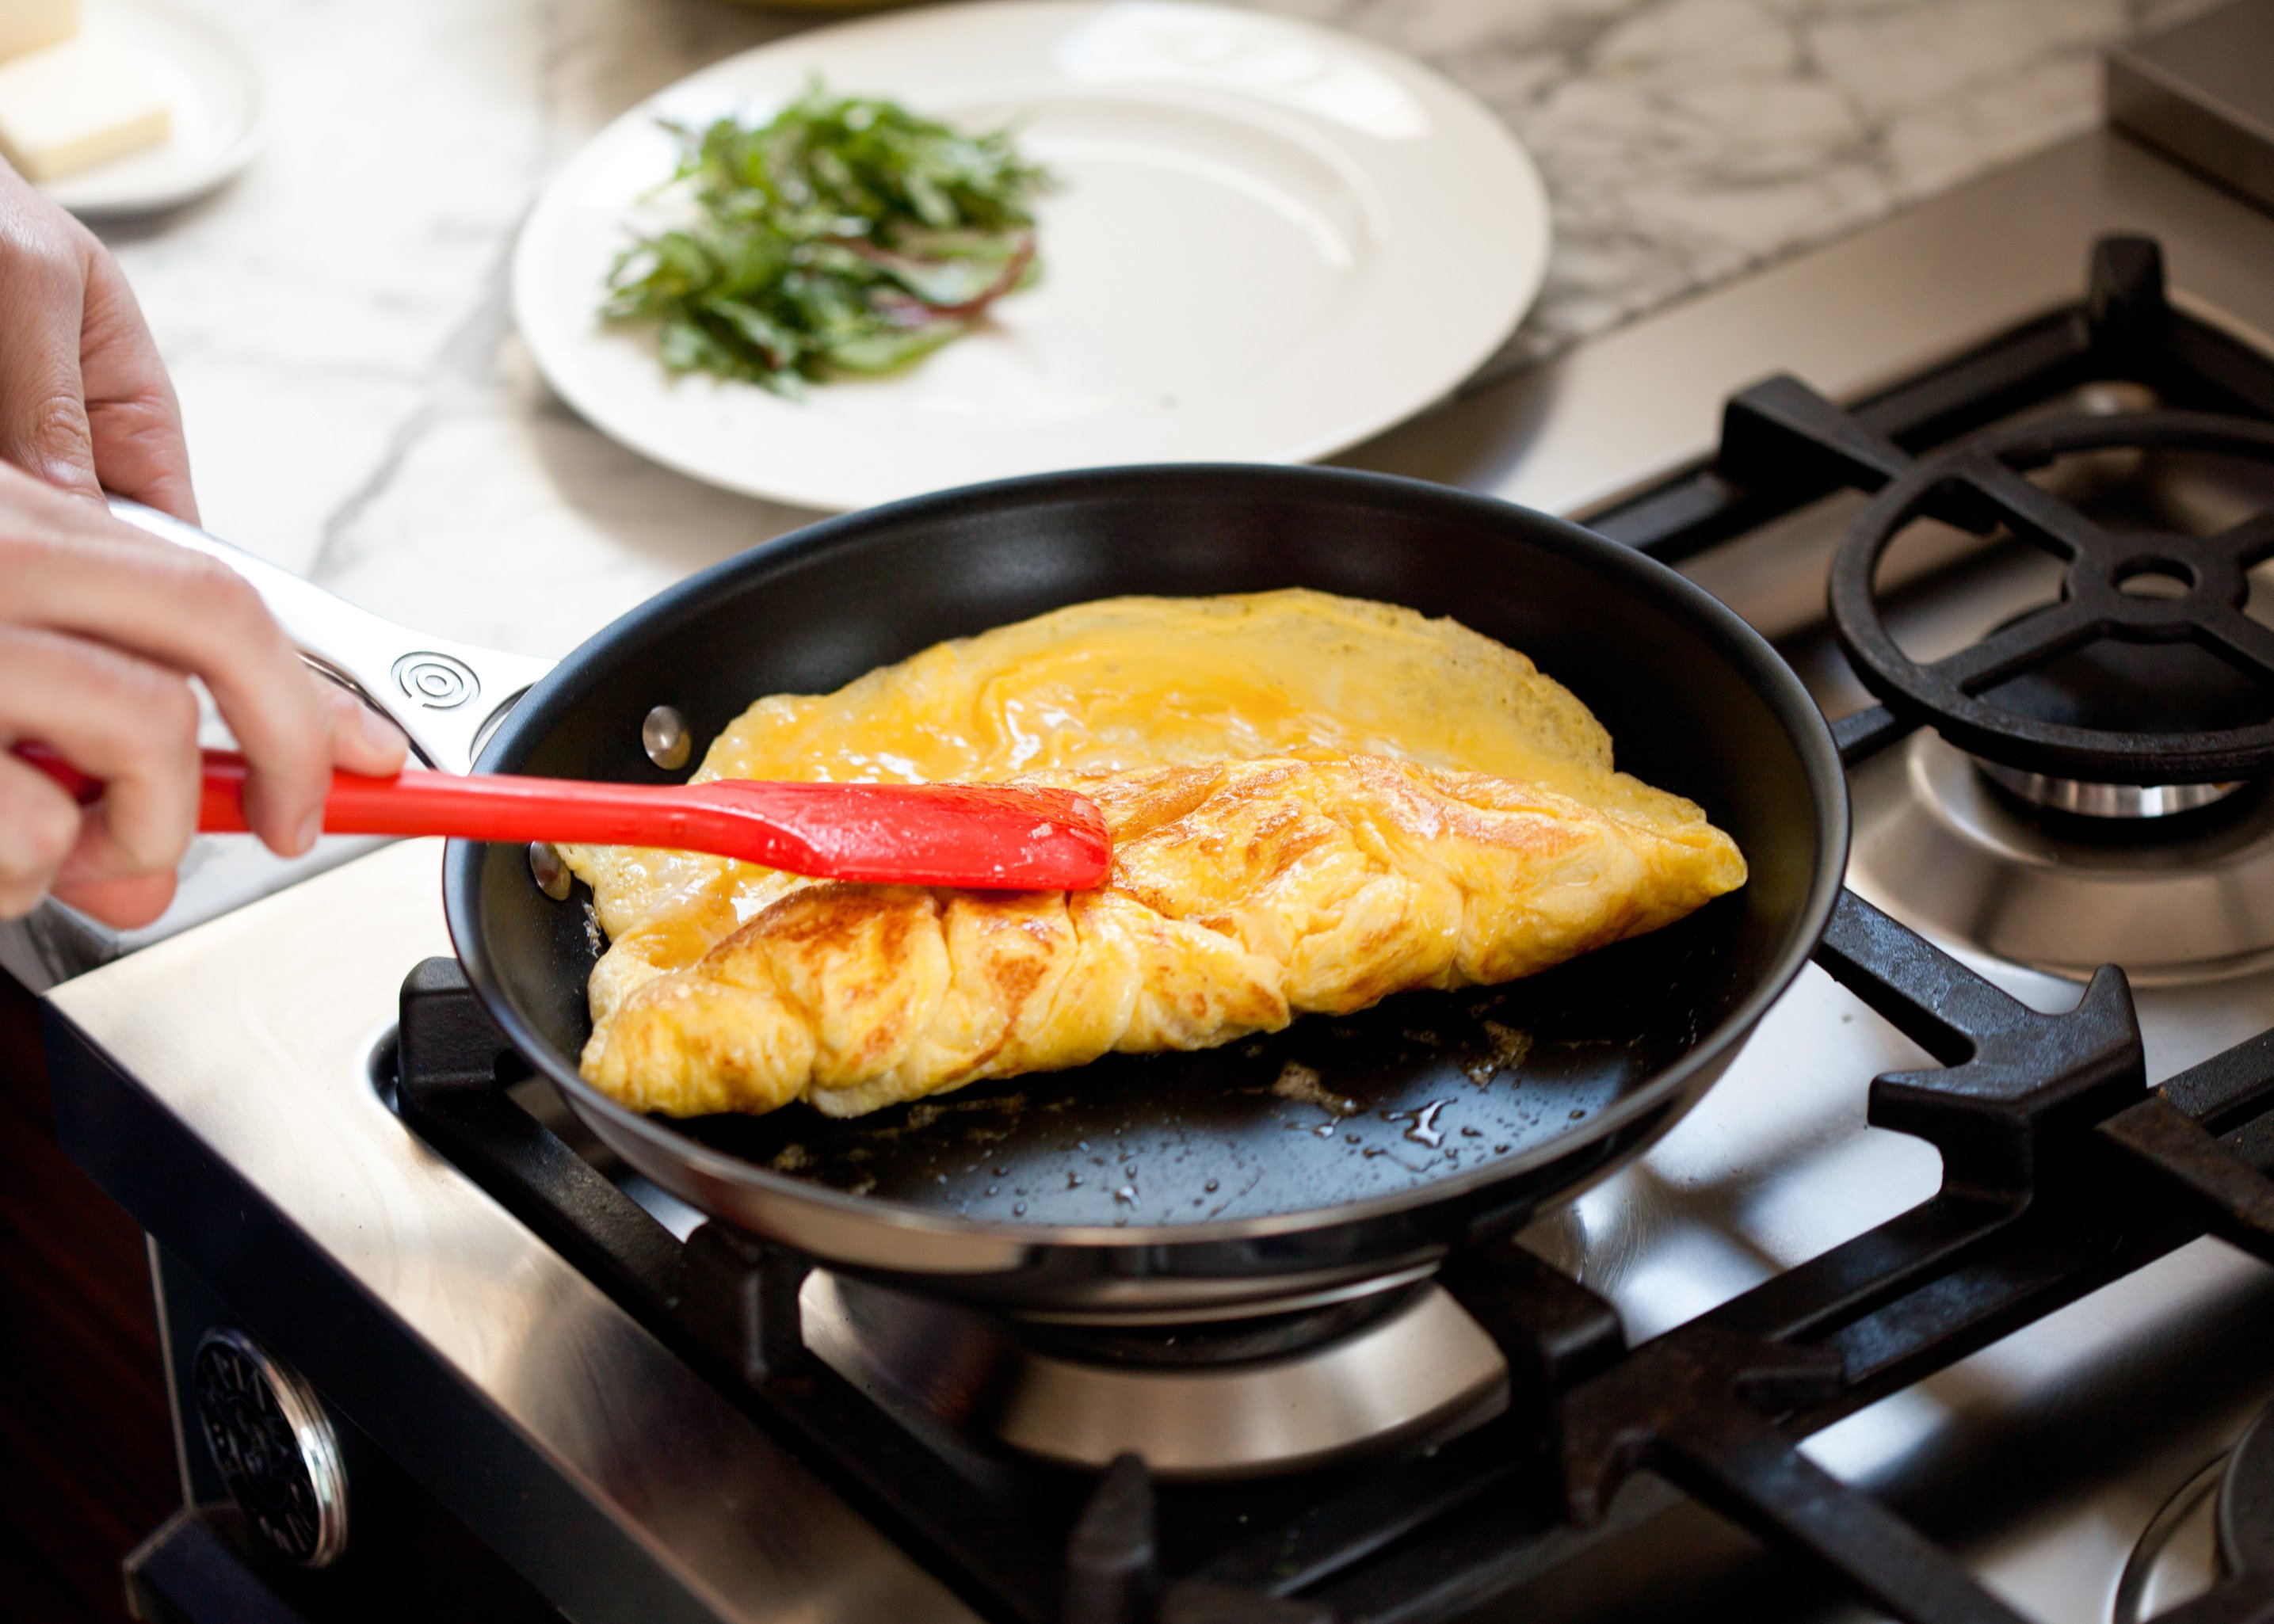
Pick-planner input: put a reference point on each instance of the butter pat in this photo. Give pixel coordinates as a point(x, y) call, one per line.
point(27, 25)
point(72, 105)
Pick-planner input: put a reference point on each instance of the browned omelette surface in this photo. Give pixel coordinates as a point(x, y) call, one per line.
point(1316, 803)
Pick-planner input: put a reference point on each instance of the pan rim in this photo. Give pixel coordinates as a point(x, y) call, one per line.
point(1750, 654)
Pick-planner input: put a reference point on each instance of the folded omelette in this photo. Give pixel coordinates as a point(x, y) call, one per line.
point(1315, 802)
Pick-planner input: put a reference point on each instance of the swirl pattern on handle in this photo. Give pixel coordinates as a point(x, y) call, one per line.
point(436, 681)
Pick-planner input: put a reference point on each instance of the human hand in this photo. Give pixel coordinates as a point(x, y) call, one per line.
point(101, 627)
point(85, 402)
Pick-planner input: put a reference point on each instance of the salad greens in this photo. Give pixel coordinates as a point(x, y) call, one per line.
point(844, 234)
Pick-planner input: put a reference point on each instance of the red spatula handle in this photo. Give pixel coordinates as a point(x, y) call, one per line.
point(980, 836)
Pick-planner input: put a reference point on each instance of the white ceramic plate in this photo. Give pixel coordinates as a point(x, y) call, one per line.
point(213, 89)
point(1272, 240)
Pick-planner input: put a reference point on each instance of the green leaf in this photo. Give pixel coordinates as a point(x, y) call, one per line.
point(884, 351)
point(845, 234)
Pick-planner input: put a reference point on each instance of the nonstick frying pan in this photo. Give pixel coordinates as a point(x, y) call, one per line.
point(1334, 1159)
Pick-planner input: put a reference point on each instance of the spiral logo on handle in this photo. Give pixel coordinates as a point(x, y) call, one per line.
point(436, 681)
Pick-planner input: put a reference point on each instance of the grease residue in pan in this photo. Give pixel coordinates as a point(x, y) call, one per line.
point(1423, 1086)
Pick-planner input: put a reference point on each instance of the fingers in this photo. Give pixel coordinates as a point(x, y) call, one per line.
point(362, 740)
point(133, 423)
point(39, 825)
point(128, 904)
point(85, 402)
point(131, 724)
point(85, 574)
point(134, 726)
point(43, 425)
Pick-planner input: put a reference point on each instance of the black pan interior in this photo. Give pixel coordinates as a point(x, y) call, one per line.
point(1421, 1089)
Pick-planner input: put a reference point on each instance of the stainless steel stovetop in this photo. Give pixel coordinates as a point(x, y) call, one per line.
point(240, 1121)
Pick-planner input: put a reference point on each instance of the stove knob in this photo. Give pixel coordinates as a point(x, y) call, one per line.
point(275, 1445)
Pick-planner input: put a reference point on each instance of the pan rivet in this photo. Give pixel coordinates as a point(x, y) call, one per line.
point(664, 737)
point(550, 873)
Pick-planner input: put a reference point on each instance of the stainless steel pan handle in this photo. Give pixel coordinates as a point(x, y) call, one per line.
point(445, 695)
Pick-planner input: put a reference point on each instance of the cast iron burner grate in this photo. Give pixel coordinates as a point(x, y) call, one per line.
point(2206, 586)
point(1783, 444)
point(2062, 1172)
point(1773, 462)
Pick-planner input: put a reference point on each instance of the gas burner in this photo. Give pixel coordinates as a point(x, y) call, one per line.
point(2142, 691)
point(2245, 1502)
point(1200, 1402)
point(2147, 674)
point(2078, 798)
point(1938, 848)
point(2130, 687)
point(2219, 1526)
point(2177, 1558)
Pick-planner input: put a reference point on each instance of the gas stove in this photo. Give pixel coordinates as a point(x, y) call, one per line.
point(1981, 1339)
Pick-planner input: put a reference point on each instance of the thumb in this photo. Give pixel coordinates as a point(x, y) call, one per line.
point(362, 740)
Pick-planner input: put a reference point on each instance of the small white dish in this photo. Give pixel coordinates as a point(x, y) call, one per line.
point(213, 86)
point(1272, 241)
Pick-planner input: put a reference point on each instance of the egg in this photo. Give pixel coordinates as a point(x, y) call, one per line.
point(1316, 801)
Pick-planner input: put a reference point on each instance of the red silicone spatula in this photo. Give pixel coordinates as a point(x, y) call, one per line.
point(980, 836)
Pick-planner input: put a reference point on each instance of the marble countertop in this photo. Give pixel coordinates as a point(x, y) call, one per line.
point(360, 409)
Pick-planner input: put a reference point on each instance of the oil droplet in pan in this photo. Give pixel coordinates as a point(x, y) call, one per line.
point(1425, 1129)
